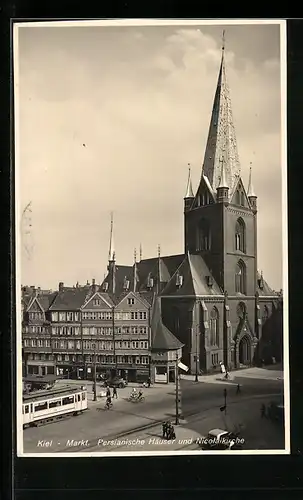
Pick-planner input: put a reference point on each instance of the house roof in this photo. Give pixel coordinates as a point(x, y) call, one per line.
point(146, 267)
point(194, 272)
point(69, 299)
point(162, 338)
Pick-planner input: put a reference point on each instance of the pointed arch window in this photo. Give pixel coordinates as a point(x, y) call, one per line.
point(265, 314)
point(214, 327)
point(240, 277)
point(238, 197)
point(240, 235)
point(203, 240)
point(242, 199)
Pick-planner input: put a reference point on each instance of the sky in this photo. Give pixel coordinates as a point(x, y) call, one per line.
point(108, 120)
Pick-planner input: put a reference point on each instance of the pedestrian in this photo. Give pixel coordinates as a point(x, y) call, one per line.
point(108, 392)
point(226, 374)
point(164, 430)
point(115, 393)
point(148, 382)
point(238, 389)
point(172, 432)
point(168, 430)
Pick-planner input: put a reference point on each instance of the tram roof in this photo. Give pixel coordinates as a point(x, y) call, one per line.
point(51, 393)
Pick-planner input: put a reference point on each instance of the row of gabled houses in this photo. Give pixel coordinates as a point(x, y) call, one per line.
point(75, 330)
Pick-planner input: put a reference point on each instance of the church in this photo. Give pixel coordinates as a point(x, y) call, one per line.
point(212, 297)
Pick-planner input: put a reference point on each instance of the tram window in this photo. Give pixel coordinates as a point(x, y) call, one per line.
point(78, 397)
point(67, 401)
point(53, 404)
point(26, 408)
point(41, 406)
point(83, 396)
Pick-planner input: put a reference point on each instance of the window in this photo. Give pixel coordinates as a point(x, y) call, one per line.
point(59, 357)
point(242, 199)
point(66, 357)
point(85, 330)
point(78, 344)
point(26, 408)
point(215, 359)
point(68, 400)
point(144, 360)
point(70, 344)
point(47, 343)
point(134, 315)
point(203, 236)
point(142, 315)
point(241, 310)
point(40, 406)
point(62, 316)
point(240, 235)
point(126, 329)
point(34, 343)
point(214, 326)
point(39, 343)
point(138, 360)
point(83, 396)
point(76, 316)
point(142, 330)
point(126, 316)
point(54, 404)
point(26, 343)
point(265, 314)
point(240, 278)
point(69, 316)
point(238, 197)
point(97, 302)
point(131, 301)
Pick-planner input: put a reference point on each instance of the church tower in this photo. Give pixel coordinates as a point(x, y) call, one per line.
point(220, 220)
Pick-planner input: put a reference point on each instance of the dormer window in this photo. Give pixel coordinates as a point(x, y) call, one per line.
point(105, 287)
point(131, 301)
point(210, 281)
point(150, 282)
point(179, 280)
point(97, 302)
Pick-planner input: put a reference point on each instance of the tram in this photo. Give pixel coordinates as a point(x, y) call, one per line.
point(44, 406)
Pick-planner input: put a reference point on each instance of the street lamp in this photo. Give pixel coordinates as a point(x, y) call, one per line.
point(95, 376)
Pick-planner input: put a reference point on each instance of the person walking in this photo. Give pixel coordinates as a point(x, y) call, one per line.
point(164, 430)
point(115, 393)
point(238, 389)
point(148, 382)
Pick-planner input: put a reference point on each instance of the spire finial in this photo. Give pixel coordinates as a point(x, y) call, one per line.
point(159, 250)
point(189, 190)
point(223, 40)
point(140, 251)
point(250, 190)
point(135, 255)
point(111, 252)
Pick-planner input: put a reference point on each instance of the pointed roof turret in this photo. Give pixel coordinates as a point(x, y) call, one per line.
point(111, 252)
point(221, 139)
point(250, 190)
point(223, 182)
point(189, 190)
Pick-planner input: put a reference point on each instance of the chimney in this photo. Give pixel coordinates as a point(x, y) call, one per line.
point(61, 286)
point(94, 287)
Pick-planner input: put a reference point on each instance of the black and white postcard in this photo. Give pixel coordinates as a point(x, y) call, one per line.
point(151, 237)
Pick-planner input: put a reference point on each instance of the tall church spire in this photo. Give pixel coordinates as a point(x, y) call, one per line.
point(111, 258)
point(221, 137)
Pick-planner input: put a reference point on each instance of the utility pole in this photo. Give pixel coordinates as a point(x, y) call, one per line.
point(177, 389)
point(197, 353)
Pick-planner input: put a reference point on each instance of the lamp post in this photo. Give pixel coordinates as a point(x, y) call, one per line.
point(95, 376)
point(177, 389)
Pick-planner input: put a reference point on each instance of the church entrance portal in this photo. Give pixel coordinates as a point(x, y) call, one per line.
point(245, 351)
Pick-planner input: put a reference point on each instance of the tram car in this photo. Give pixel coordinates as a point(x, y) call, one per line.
point(44, 406)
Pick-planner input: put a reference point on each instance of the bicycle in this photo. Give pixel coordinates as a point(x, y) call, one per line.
point(108, 406)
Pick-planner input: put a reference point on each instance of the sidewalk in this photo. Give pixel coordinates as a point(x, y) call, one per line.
point(218, 378)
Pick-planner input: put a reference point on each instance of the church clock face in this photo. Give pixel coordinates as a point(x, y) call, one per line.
point(241, 310)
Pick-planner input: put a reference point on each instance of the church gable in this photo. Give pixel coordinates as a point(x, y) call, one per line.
point(205, 195)
point(96, 302)
point(34, 306)
point(239, 196)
